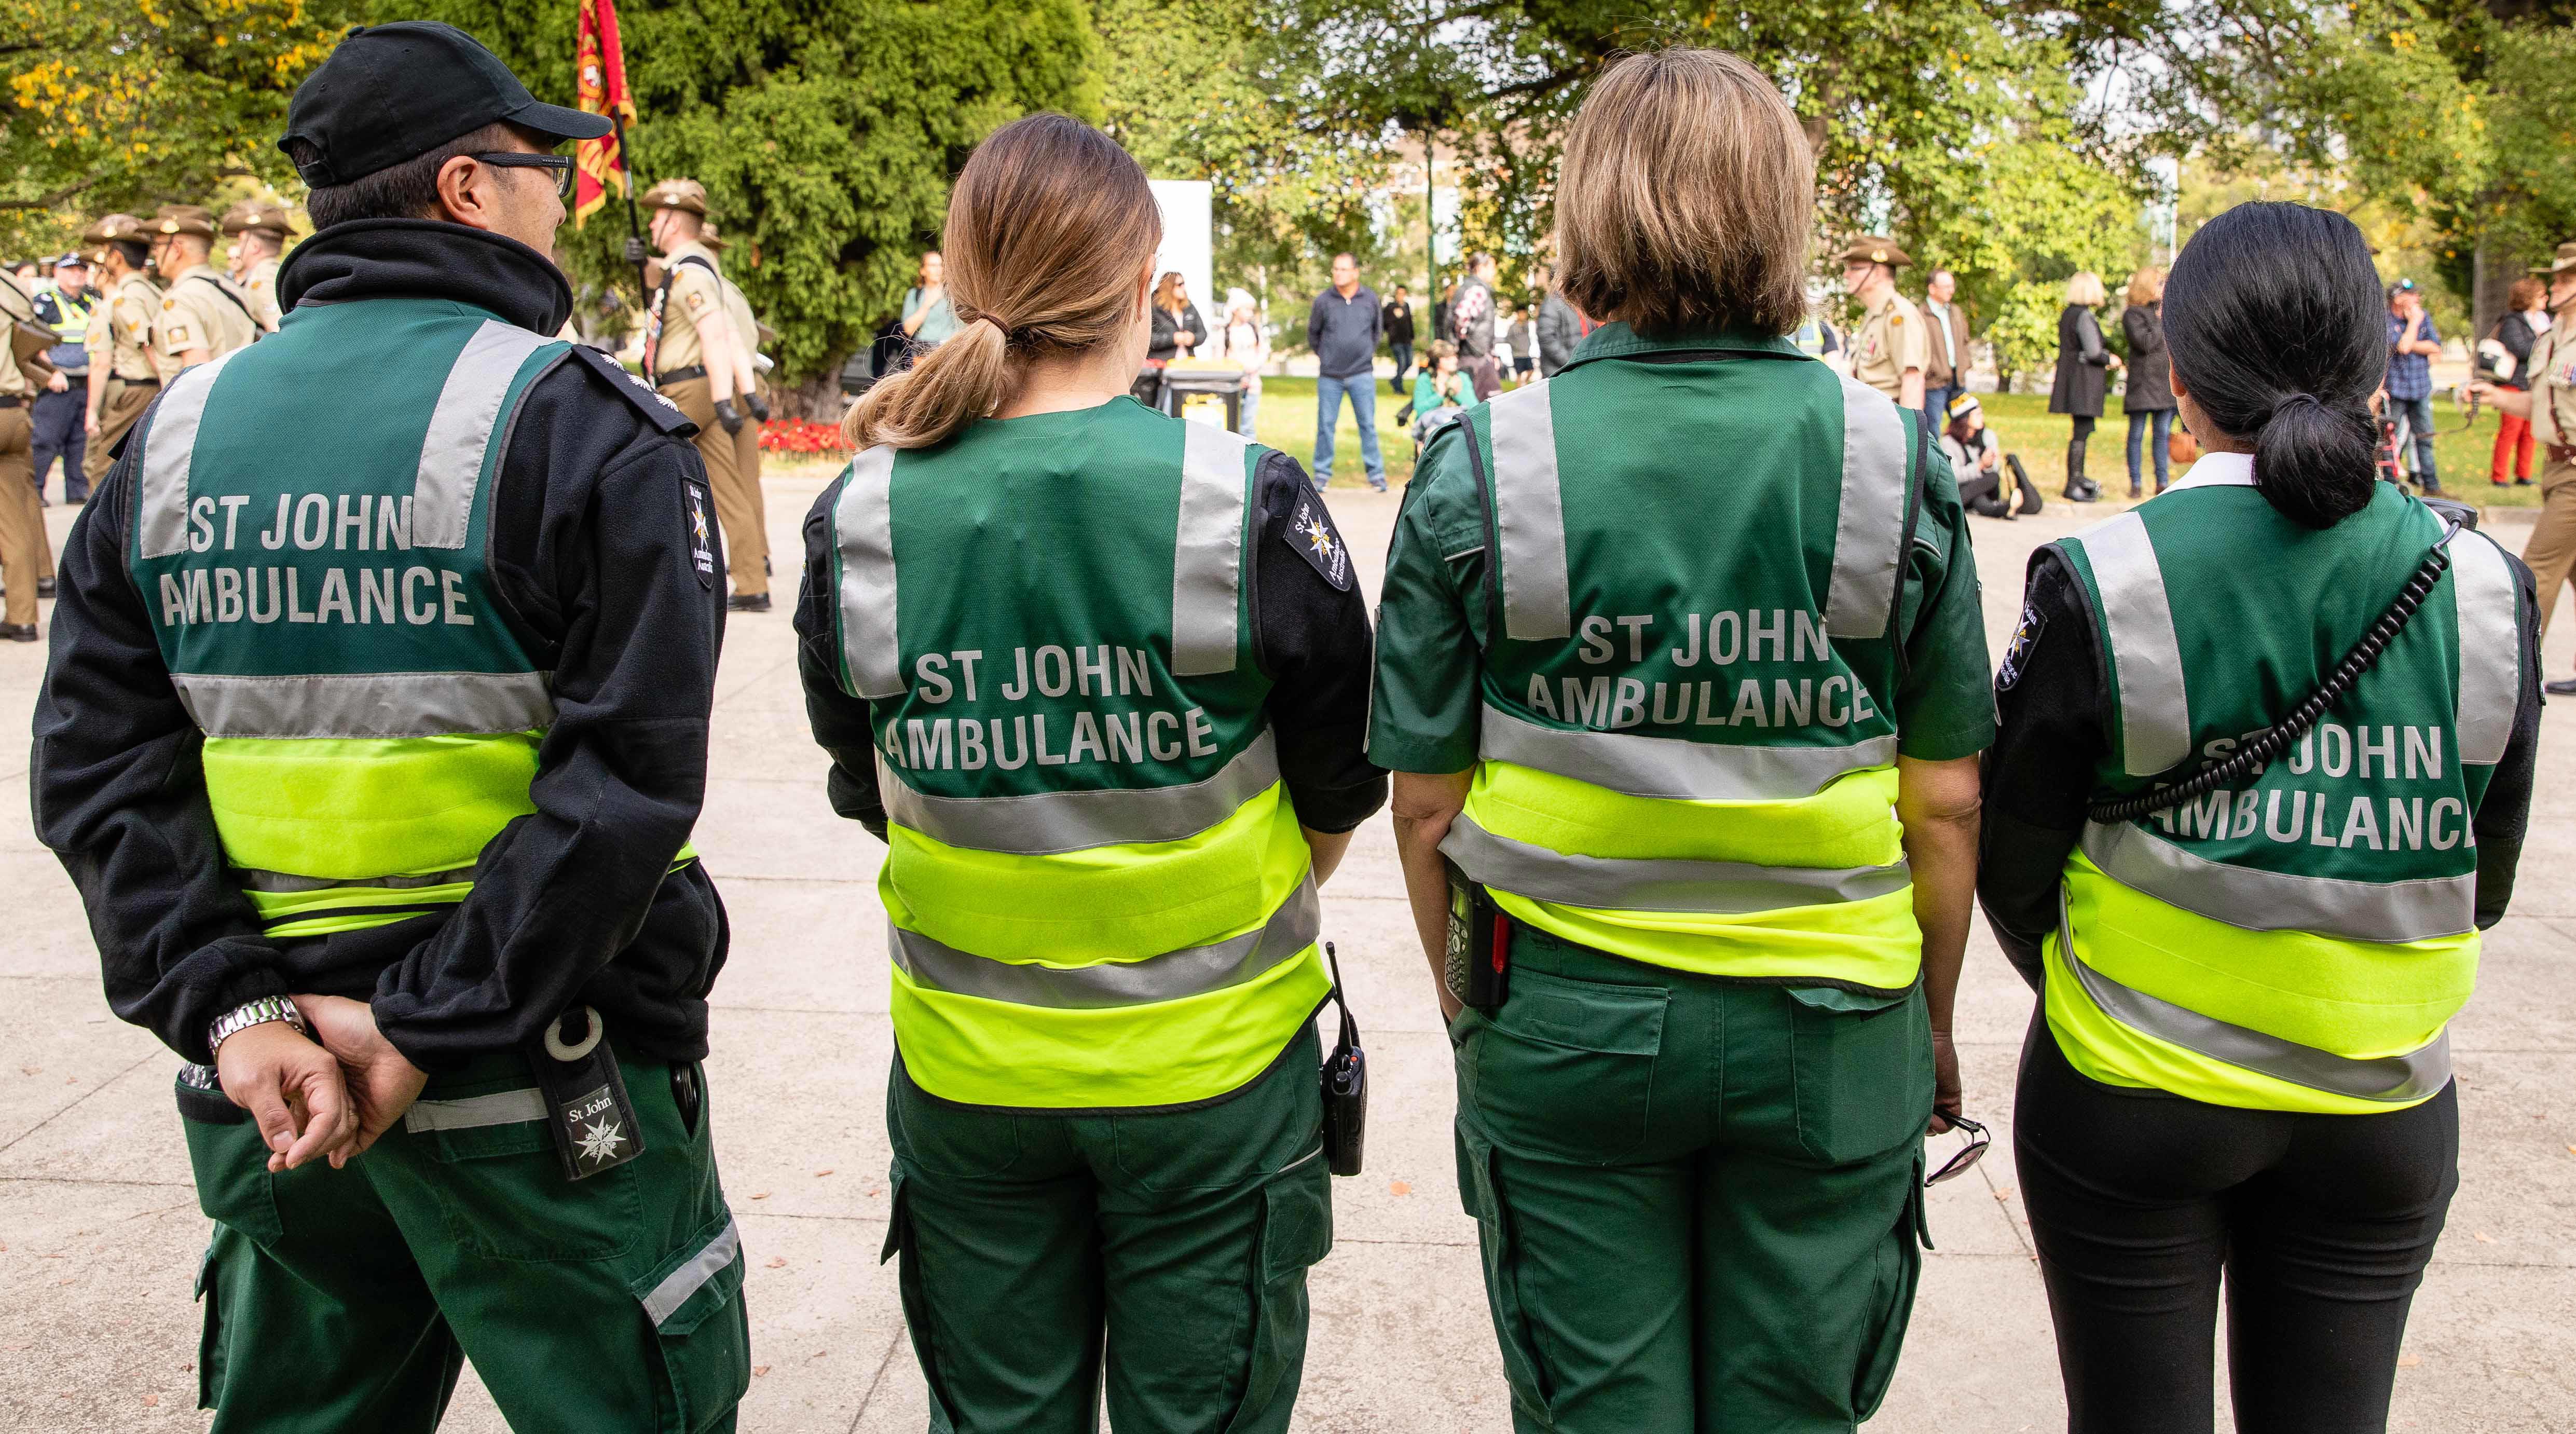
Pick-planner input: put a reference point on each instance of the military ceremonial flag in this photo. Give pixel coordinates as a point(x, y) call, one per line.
point(599, 68)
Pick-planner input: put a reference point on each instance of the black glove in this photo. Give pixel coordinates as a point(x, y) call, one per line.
point(759, 408)
point(725, 415)
point(634, 251)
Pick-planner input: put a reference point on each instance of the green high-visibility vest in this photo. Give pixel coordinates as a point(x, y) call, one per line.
point(1685, 756)
point(316, 571)
point(2302, 941)
point(1096, 889)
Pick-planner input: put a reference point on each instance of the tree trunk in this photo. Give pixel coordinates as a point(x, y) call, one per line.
point(817, 399)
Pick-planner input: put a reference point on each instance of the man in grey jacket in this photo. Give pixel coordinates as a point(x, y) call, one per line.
point(1342, 329)
point(1560, 328)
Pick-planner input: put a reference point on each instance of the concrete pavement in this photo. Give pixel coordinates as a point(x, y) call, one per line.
point(100, 1234)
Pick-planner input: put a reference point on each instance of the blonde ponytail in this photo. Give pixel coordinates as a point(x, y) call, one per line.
point(1048, 227)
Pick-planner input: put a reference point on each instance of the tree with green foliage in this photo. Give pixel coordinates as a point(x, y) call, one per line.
point(827, 133)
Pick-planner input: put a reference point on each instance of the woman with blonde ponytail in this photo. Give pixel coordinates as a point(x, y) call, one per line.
point(1098, 677)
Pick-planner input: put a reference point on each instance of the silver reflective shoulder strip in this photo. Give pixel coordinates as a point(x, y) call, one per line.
point(1675, 769)
point(688, 1279)
point(2155, 708)
point(1044, 823)
point(1529, 514)
point(1728, 887)
point(1869, 527)
point(254, 879)
point(509, 1107)
point(2397, 1080)
point(368, 704)
point(461, 431)
point(2254, 900)
point(2490, 647)
point(1171, 976)
point(863, 525)
point(1207, 550)
point(169, 447)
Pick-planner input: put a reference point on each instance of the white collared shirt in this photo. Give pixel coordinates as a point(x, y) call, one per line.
point(2217, 470)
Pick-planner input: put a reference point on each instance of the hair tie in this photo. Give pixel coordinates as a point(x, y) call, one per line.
point(2286, 404)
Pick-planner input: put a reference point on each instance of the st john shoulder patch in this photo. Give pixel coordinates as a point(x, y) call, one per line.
point(2017, 653)
point(701, 525)
point(1311, 533)
point(661, 412)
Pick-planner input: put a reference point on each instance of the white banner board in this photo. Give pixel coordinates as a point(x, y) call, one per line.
point(1189, 243)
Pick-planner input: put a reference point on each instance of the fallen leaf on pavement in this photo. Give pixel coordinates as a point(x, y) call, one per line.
point(152, 1401)
point(2482, 1237)
point(2407, 1361)
point(819, 1174)
point(759, 1194)
point(778, 1262)
point(1398, 1187)
point(758, 1370)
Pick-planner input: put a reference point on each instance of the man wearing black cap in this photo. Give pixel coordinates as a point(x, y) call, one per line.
point(374, 753)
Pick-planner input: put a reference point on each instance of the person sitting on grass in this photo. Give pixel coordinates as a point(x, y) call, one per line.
point(1977, 460)
point(1440, 393)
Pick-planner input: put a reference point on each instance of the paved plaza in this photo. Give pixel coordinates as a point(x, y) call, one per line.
point(100, 1233)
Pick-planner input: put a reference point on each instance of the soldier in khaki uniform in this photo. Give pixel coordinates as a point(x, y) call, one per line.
point(1892, 349)
point(2550, 404)
point(694, 358)
point(124, 370)
point(258, 232)
point(23, 548)
point(204, 315)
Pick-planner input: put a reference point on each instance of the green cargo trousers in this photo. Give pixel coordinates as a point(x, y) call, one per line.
point(1699, 1200)
point(1179, 1239)
point(341, 1300)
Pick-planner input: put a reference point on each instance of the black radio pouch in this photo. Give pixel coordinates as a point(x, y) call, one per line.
point(1345, 1078)
point(1477, 967)
point(594, 1123)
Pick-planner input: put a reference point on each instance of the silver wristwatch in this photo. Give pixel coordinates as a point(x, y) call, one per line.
point(249, 1014)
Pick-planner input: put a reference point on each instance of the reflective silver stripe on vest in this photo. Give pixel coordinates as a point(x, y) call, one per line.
point(1171, 976)
point(1673, 769)
point(2255, 900)
point(509, 1107)
point(368, 704)
point(254, 879)
point(169, 447)
point(1043, 823)
point(2155, 706)
point(1609, 883)
point(2395, 1079)
point(1869, 526)
point(1529, 516)
point(463, 429)
point(864, 525)
point(688, 1279)
point(2489, 602)
point(1207, 551)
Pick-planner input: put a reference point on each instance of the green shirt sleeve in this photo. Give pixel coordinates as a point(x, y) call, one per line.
point(1945, 701)
point(1424, 713)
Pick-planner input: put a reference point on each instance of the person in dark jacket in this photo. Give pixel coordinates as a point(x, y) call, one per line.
point(1178, 329)
point(1559, 327)
point(1396, 320)
point(2526, 318)
point(2083, 376)
point(2149, 400)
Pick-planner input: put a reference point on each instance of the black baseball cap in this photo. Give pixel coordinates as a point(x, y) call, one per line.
point(389, 92)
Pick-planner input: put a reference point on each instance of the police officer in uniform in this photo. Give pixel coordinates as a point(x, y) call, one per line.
point(1893, 349)
point(125, 366)
point(204, 314)
point(1098, 675)
point(258, 231)
point(67, 308)
point(1694, 751)
point(374, 756)
point(694, 358)
point(2239, 1064)
point(23, 546)
point(2549, 401)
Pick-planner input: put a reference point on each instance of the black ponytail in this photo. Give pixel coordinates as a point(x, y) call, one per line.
point(2273, 316)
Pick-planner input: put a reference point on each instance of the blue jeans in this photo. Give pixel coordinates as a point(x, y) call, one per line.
point(1403, 360)
point(1936, 404)
point(1251, 406)
point(2164, 418)
point(1361, 389)
point(2417, 415)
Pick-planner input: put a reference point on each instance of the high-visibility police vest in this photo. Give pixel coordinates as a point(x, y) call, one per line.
point(1685, 757)
point(1096, 890)
point(319, 586)
point(2302, 942)
point(70, 323)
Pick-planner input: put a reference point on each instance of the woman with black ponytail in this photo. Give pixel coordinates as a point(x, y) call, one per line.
point(2239, 1066)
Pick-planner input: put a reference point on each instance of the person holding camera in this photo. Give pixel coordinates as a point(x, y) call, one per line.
point(1686, 767)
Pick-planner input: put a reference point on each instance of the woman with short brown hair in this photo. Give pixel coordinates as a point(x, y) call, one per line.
point(1670, 643)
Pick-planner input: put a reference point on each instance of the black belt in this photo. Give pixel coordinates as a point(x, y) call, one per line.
point(679, 375)
point(11, 400)
point(135, 382)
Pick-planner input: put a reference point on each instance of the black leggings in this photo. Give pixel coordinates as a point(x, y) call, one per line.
point(2323, 1224)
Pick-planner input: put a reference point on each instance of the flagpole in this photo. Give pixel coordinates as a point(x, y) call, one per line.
point(634, 226)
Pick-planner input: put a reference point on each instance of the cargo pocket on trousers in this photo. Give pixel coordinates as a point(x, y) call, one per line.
point(1566, 1069)
point(210, 1336)
point(910, 1287)
point(1296, 1232)
point(1480, 1191)
point(695, 1302)
point(502, 1189)
point(230, 1164)
point(1900, 1270)
point(1863, 1079)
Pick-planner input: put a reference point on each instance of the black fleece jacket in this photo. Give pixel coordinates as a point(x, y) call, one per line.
point(590, 549)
